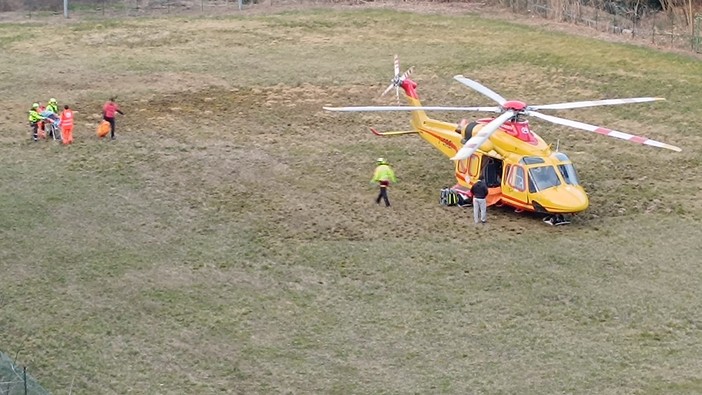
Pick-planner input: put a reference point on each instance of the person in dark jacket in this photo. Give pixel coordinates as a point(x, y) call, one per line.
point(108, 114)
point(479, 190)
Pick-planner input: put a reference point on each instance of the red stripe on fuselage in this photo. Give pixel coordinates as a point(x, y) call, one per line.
point(446, 141)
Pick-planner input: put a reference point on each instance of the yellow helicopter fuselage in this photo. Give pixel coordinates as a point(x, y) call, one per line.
point(520, 169)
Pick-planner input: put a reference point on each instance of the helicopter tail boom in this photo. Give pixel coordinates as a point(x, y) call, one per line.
point(393, 133)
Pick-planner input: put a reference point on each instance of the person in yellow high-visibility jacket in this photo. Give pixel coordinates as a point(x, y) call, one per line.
point(383, 175)
point(34, 118)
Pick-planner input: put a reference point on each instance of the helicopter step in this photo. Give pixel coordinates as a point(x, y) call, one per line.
point(557, 219)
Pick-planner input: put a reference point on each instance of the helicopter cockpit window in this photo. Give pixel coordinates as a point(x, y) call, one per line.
point(568, 173)
point(561, 157)
point(566, 169)
point(544, 177)
point(531, 160)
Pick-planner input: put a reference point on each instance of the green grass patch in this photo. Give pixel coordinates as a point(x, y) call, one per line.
point(228, 241)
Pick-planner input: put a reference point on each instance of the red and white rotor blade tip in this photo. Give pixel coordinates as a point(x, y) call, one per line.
point(396, 63)
point(595, 103)
point(477, 86)
point(410, 108)
point(604, 131)
point(476, 141)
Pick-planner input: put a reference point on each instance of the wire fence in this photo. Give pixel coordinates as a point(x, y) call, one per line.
point(14, 380)
point(673, 28)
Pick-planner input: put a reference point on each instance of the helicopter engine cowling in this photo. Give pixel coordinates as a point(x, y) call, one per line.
point(471, 130)
point(487, 146)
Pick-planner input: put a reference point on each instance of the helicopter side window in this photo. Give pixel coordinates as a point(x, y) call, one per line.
point(531, 160)
point(544, 177)
point(463, 166)
point(474, 165)
point(516, 178)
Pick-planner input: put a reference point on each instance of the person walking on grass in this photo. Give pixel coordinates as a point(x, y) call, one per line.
point(109, 110)
point(479, 191)
point(383, 175)
point(67, 125)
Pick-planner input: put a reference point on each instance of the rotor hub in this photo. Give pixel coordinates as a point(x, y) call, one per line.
point(514, 105)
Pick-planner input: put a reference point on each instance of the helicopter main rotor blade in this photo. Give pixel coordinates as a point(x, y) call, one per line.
point(594, 103)
point(476, 141)
point(480, 88)
point(407, 73)
point(392, 84)
point(397, 66)
point(410, 108)
point(603, 131)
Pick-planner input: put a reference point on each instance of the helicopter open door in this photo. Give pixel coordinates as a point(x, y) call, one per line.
point(492, 171)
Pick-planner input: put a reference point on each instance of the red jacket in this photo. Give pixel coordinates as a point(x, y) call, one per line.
point(67, 118)
point(109, 109)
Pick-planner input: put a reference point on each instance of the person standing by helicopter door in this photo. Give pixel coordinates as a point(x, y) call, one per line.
point(479, 190)
point(383, 175)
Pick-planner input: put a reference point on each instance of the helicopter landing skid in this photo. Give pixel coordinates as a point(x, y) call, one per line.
point(557, 219)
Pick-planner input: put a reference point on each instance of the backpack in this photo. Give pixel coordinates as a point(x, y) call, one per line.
point(448, 197)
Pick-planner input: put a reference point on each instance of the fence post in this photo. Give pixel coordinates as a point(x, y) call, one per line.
point(698, 31)
point(24, 369)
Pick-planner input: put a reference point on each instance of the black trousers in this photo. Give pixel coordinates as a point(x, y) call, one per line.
point(111, 120)
point(35, 128)
point(383, 195)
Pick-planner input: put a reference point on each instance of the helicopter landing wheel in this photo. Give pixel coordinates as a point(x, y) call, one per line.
point(556, 219)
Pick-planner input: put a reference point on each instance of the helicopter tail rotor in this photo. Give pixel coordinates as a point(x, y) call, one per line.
point(397, 79)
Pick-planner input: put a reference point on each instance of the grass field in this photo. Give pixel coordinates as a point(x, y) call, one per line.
point(227, 241)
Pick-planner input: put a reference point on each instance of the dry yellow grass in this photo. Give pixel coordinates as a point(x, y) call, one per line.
point(227, 241)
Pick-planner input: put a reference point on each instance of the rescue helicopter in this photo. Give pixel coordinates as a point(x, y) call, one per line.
point(521, 170)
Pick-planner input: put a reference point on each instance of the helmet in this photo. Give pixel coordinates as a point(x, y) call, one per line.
point(35, 105)
point(381, 161)
point(52, 101)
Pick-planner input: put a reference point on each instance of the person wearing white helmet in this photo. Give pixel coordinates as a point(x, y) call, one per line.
point(383, 175)
point(51, 114)
point(52, 105)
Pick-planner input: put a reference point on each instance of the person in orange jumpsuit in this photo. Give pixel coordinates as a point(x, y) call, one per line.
point(67, 125)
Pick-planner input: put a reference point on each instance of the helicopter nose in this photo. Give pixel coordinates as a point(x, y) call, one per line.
point(564, 199)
